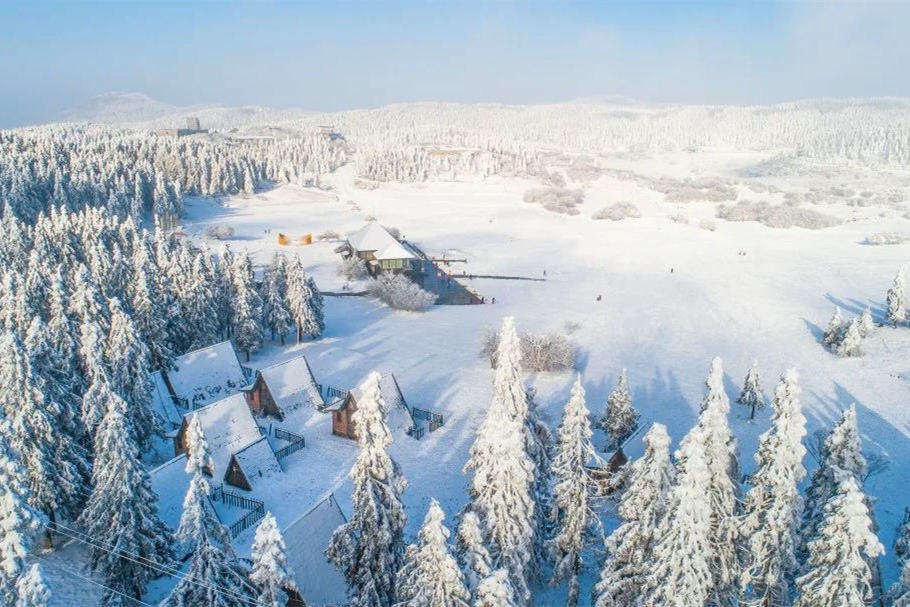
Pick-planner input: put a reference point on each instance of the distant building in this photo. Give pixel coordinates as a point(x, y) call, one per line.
point(193, 127)
point(380, 251)
point(329, 131)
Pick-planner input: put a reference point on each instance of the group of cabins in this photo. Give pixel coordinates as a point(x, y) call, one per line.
point(253, 423)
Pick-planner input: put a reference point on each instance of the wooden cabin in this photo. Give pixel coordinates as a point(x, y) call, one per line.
point(380, 251)
point(284, 390)
point(251, 464)
point(398, 412)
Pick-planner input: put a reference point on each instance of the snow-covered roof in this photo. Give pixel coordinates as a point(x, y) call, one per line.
point(163, 405)
point(257, 461)
point(398, 413)
point(320, 582)
point(171, 482)
point(371, 237)
point(293, 386)
point(228, 426)
point(208, 374)
point(395, 250)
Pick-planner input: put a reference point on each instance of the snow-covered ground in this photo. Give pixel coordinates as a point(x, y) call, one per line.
point(674, 295)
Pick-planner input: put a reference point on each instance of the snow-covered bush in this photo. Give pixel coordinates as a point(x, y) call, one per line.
point(776, 216)
point(558, 200)
point(678, 218)
point(618, 211)
point(539, 352)
point(553, 179)
point(329, 235)
point(218, 231)
point(703, 190)
point(352, 268)
point(400, 293)
point(707, 224)
point(885, 238)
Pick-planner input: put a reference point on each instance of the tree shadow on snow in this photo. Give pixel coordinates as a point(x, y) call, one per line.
point(856, 307)
point(816, 331)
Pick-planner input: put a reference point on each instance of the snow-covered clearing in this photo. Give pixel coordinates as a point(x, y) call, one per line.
point(673, 297)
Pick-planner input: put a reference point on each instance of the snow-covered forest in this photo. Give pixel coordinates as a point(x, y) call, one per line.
point(595, 452)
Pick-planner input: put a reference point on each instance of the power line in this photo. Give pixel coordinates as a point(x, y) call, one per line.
point(91, 581)
point(153, 565)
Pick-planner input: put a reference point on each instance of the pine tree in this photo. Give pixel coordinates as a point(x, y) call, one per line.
point(214, 578)
point(304, 302)
point(837, 572)
point(835, 329)
point(724, 489)
point(369, 548)
point(148, 312)
point(752, 396)
point(902, 540)
point(495, 590)
point(773, 505)
point(573, 493)
point(129, 362)
point(680, 563)
point(430, 576)
point(225, 290)
point(54, 465)
point(315, 320)
point(247, 308)
point(852, 340)
point(275, 313)
point(472, 554)
point(897, 300)
point(641, 509)
point(31, 589)
point(122, 510)
point(900, 591)
point(271, 573)
point(503, 485)
point(621, 418)
point(19, 522)
point(866, 324)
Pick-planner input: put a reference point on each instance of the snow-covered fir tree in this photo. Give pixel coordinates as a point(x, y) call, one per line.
point(773, 505)
point(471, 552)
point(214, 577)
point(641, 509)
point(31, 589)
point(495, 590)
point(55, 466)
point(369, 548)
point(835, 329)
point(315, 325)
point(430, 576)
point(752, 395)
point(838, 571)
point(19, 521)
point(271, 574)
point(304, 302)
point(122, 511)
point(149, 314)
point(573, 492)
point(275, 312)
point(896, 300)
point(866, 324)
point(621, 418)
point(899, 594)
point(246, 326)
point(504, 479)
point(902, 540)
point(680, 563)
point(851, 342)
point(723, 489)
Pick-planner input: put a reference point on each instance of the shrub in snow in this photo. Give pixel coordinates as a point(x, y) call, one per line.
point(553, 179)
point(678, 218)
point(218, 231)
point(352, 268)
point(886, 238)
point(399, 292)
point(776, 216)
point(866, 324)
point(618, 211)
point(707, 224)
point(835, 330)
point(852, 340)
point(539, 352)
point(329, 235)
point(703, 190)
point(557, 200)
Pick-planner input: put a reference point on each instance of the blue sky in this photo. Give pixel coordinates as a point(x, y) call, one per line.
point(341, 54)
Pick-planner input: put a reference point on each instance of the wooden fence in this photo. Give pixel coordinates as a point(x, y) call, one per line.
point(256, 508)
point(296, 441)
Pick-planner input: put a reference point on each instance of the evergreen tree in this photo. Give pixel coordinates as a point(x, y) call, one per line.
point(271, 573)
point(897, 300)
point(773, 504)
point(315, 322)
point(430, 576)
point(31, 589)
point(852, 339)
point(19, 522)
point(752, 396)
point(247, 308)
point(902, 540)
point(274, 310)
point(225, 290)
point(837, 573)
point(723, 489)
point(835, 329)
point(472, 554)
point(641, 509)
point(495, 590)
point(621, 418)
point(122, 511)
point(573, 493)
point(369, 548)
point(214, 577)
point(900, 591)
point(680, 563)
point(304, 302)
point(129, 362)
point(866, 324)
point(148, 313)
point(502, 489)
point(54, 467)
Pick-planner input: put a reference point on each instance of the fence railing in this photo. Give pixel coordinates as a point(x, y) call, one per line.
point(288, 436)
point(288, 450)
point(415, 432)
point(331, 392)
point(256, 508)
point(434, 420)
point(248, 520)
